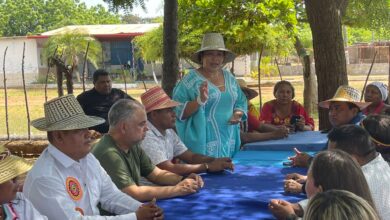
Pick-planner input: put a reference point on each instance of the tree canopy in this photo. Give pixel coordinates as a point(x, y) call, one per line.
point(21, 17)
point(246, 25)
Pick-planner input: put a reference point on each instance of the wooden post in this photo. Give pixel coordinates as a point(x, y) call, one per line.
point(5, 94)
point(277, 65)
point(25, 94)
point(368, 75)
point(85, 62)
point(258, 76)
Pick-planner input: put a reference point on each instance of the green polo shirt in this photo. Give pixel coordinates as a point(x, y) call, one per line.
point(125, 169)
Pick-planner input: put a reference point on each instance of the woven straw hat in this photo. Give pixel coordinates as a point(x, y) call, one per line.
point(213, 41)
point(11, 166)
point(345, 94)
point(155, 98)
point(65, 113)
point(251, 92)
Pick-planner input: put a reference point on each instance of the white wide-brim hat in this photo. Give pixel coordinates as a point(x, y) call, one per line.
point(213, 41)
point(345, 94)
point(12, 166)
point(65, 113)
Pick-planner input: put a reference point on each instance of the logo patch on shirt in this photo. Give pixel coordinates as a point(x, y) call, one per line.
point(80, 210)
point(74, 188)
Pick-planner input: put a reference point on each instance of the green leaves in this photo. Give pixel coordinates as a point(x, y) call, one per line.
point(72, 46)
point(245, 24)
point(151, 44)
point(25, 17)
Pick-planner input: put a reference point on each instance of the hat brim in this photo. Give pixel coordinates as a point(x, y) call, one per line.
point(326, 103)
point(251, 93)
point(74, 123)
point(12, 167)
point(168, 104)
point(229, 55)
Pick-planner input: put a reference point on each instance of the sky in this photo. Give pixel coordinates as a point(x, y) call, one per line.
point(154, 7)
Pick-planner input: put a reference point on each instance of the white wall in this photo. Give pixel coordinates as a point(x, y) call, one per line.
point(13, 60)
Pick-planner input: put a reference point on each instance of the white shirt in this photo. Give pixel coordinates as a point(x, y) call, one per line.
point(62, 188)
point(377, 173)
point(23, 208)
point(160, 147)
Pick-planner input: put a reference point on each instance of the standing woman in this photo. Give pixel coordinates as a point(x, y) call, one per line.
point(283, 110)
point(376, 93)
point(213, 104)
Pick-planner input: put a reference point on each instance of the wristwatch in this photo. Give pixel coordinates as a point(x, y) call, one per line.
point(206, 166)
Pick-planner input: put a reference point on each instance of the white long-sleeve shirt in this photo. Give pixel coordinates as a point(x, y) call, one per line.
point(62, 189)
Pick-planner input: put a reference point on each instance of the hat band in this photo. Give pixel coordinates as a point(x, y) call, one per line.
point(157, 103)
point(63, 119)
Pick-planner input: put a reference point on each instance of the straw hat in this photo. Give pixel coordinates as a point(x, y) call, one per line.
point(11, 166)
point(345, 94)
point(251, 92)
point(213, 41)
point(155, 98)
point(65, 113)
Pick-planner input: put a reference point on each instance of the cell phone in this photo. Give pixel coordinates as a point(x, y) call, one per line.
point(287, 163)
point(294, 119)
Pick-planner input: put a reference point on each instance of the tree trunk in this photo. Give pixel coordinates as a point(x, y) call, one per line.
point(60, 89)
point(325, 23)
point(170, 53)
point(310, 84)
point(69, 79)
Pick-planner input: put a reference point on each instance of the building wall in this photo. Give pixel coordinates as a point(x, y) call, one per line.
point(13, 61)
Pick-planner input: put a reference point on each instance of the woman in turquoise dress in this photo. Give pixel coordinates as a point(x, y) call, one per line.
point(213, 105)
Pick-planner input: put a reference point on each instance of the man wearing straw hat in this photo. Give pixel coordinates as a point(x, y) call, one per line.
point(121, 155)
point(162, 144)
point(344, 108)
point(67, 182)
point(13, 204)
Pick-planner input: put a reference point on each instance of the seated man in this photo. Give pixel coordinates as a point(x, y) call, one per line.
point(162, 144)
point(344, 108)
point(67, 182)
point(357, 142)
point(121, 155)
point(98, 100)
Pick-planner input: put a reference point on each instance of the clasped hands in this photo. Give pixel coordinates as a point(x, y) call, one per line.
point(150, 211)
point(191, 184)
point(220, 164)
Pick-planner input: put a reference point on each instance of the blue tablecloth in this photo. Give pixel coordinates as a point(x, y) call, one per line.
point(242, 194)
point(304, 141)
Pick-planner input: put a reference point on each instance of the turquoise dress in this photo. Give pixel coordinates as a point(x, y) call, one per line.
point(207, 131)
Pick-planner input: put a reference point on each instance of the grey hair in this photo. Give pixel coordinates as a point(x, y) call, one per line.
point(122, 110)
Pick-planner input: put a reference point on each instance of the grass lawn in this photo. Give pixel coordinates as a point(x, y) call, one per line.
point(17, 117)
